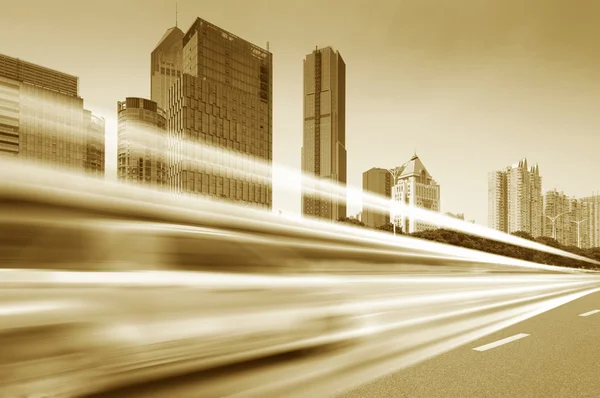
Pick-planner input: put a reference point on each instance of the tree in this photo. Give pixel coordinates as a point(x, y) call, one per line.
point(352, 221)
point(524, 235)
point(389, 227)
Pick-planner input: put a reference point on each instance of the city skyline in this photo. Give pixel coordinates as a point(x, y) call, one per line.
point(470, 117)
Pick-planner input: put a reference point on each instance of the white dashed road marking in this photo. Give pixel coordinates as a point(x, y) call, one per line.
point(501, 342)
point(590, 313)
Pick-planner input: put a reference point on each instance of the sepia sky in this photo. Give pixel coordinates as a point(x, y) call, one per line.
point(473, 85)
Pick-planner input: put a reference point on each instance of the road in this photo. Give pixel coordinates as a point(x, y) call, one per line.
point(432, 339)
point(559, 357)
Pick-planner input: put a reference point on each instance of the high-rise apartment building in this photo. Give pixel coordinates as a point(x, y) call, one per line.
point(537, 201)
point(515, 201)
point(557, 216)
point(142, 145)
point(376, 181)
point(497, 201)
point(580, 215)
point(324, 137)
point(220, 108)
point(42, 118)
point(166, 66)
point(415, 187)
point(592, 225)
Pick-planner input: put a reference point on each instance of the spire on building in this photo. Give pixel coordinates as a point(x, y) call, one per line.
point(176, 14)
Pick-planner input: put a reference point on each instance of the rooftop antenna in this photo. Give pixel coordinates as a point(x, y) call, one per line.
point(267, 46)
point(175, 14)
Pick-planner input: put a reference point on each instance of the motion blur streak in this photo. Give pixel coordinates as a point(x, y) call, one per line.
point(290, 179)
point(245, 165)
point(342, 372)
point(112, 289)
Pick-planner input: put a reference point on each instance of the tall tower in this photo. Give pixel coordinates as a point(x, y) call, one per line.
point(324, 139)
point(166, 66)
point(142, 149)
point(220, 109)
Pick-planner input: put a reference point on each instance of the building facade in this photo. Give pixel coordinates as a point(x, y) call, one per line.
point(376, 181)
point(43, 120)
point(497, 201)
point(220, 119)
point(415, 187)
point(166, 66)
point(557, 216)
point(515, 201)
point(95, 148)
point(324, 135)
point(142, 145)
point(592, 226)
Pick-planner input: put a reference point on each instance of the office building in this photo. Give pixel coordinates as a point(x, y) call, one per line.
point(43, 120)
point(166, 66)
point(220, 119)
point(515, 201)
point(324, 136)
point(376, 182)
point(415, 187)
point(142, 145)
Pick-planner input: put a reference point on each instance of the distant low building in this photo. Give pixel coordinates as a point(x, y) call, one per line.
point(377, 182)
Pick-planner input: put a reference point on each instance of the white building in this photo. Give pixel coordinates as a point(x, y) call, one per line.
point(416, 187)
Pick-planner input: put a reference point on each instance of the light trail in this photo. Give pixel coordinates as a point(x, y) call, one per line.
point(255, 167)
point(74, 190)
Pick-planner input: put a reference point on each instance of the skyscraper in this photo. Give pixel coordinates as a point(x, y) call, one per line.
point(222, 105)
point(324, 138)
point(415, 187)
point(42, 118)
point(142, 146)
point(376, 181)
point(515, 199)
point(166, 66)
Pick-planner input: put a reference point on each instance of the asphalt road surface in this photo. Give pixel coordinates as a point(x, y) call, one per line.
point(555, 354)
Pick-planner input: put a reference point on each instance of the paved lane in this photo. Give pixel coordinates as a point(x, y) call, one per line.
point(556, 354)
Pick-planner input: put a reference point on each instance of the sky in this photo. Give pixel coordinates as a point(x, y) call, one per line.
point(471, 85)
